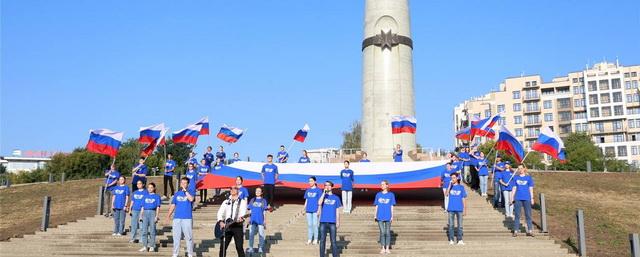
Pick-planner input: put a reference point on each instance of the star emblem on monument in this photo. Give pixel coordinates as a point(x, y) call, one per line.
point(386, 39)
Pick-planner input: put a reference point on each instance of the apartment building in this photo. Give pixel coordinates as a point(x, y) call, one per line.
point(602, 100)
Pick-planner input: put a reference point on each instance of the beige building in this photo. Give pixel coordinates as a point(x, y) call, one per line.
point(602, 100)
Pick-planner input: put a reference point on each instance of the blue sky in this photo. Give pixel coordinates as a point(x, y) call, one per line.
point(271, 66)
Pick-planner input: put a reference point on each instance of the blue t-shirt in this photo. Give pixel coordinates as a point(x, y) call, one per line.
point(475, 156)
point(208, 158)
point(282, 155)
point(216, 167)
point(269, 172)
point(120, 193)
point(312, 195)
point(522, 184)
point(257, 206)
point(110, 178)
point(202, 169)
point(137, 198)
point(384, 201)
point(497, 174)
point(505, 178)
point(347, 179)
point(243, 193)
point(304, 160)
point(141, 170)
point(445, 177)
point(456, 194)
point(397, 156)
point(234, 160)
point(464, 155)
point(169, 166)
point(365, 160)
point(221, 156)
point(193, 161)
point(192, 175)
point(329, 206)
point(183, 206)
point(481, 166)
point(151, 201)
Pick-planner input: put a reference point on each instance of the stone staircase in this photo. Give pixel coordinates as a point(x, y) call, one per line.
point(417, 231)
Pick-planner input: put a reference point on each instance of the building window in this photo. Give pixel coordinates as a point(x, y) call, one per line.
point(581, 115)
point(583, 127)
point(622, 150)
point(500, 108)
point(548, 117)
point(618, 138)
point(487, 113)
point(618, 110)
point(502, 121)
point(593, 99)
point(617, 97)
point(565, 129)
point(601, 140)
point(518, 132)
point(516, 94)
point(527, 84)
point(634, 84)
point(564, 103)
point(534, 83)
point(547, 104)
point(592, 86)
point(604, 98)
point(578, 90)
point(632, 123)
point(578, 102)
point(633, 110)
point(604, 84)
point(615, 84)
point(575, 80)
point(532, 107)
point(517, 119)
point(517, 107)
point(595, 113)
point(617, 125)
point(634, 150)
point(633, 74)
point(626, 74)
point(610, 151)
point(627, 84)
point(606, 111)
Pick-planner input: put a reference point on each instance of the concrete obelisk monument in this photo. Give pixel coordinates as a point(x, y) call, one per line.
point(387, 77)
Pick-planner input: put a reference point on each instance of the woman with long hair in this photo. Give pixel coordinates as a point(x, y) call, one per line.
point(522, 195)
point(384, 203)
point(149, 217)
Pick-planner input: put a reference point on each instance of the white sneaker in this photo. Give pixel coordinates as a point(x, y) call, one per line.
point(143, 249)
point(460, 242)
point(308, 242)
point(260, 250)
point(249, 250)
point(114, 234)
point(132, 241)
point(315, 242)
point(152, 249)
point(451, 242)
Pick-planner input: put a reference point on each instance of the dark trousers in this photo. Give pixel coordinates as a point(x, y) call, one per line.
point(235, 231)
point(168, 181)
point(269, 190)
point(475, 179)
point(203, 195)
point(326, 227)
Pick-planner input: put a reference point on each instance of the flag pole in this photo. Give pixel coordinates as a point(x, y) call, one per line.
point(291, 146)
point(525, 157)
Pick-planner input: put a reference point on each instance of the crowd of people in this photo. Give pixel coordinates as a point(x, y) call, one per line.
point(322, 207)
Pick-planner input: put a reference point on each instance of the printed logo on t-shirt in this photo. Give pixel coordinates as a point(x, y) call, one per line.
point(119, 191)
point(329, 201)
point(181, 198)
point(150, 200)
point(446, 175)
point(189, 176)
point(268, 169)
point(522, 182)
point(384, 200)
point(311, 194)
point(455, 192)
point(138, 196)
point(345, 174)
point(257, 204)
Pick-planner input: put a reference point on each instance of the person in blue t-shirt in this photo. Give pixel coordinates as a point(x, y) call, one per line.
point(347, 178)
point(192, 159)
point(269, 175)
point(217, 165)
point(466, 163)
point(283, 156)
point(110, 181)
point(236, 158)
point(505, 183)
point(483, 174)
point(384, 203)
point(208, 156)
point(203, 170)
point(258, 222)
point(498, 168)
point(445, 179)
point(139, 172)
point(135, 205)
point(311, 196)
point(397, 154)
point(522, 195)
point(221, 155)
point(329, 208)
point(192, 176)
point(457, 207)
point(304, 158)
point(364, 157)
point(119, 202)
point(243, 192)
point(183, 218)
point(149, 217)
point(475, 157)
point(169, 168)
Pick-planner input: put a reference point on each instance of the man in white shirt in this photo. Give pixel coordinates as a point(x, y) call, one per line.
point(231, 214)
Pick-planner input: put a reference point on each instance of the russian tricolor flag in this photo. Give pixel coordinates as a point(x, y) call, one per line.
point(188, 135)
point(104, 141)
point(483, 127)
point(229, 134)
point(549, 143)
point(302, 134)
point(205, 126)
point(403, 124)
point(151, 133)
point(508, 143)
point(152, 146)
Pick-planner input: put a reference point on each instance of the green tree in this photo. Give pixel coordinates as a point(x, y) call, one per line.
point(3, 169)
point(579, 149)
point(352, 139)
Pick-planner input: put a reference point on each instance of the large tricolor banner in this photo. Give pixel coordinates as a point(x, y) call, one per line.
point(401, 175)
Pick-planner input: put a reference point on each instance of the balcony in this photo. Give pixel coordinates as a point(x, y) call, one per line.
point(564, 107)
point(531, 136)
point(534, 97)
point(529, 123)
point(606, 130)
point(565, 121)
point(532, 110)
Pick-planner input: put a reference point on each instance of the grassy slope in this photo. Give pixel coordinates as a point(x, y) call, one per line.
point(611, 204)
